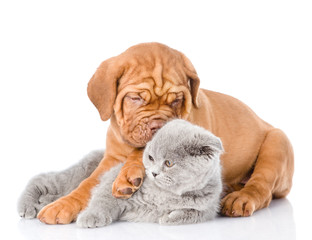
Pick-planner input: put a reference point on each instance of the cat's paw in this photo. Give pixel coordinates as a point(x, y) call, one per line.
point(173, 218)
point(30, 204)
point(27, 208)
point(88, 219)
point(35, 196)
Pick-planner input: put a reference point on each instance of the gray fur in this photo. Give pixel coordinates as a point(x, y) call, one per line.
point(47, 187)
point(187, 192)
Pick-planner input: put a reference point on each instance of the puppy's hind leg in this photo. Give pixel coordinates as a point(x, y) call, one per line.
point(48, 187)
point(272, 177)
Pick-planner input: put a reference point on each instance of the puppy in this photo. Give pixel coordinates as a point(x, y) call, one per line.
point(149, 84)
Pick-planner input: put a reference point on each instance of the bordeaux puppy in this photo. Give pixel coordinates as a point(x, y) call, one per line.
point(149, 84)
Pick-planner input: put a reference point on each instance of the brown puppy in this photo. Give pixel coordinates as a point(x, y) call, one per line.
point(149, 84)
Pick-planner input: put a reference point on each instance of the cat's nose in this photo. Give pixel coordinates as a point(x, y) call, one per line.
point(154, 174)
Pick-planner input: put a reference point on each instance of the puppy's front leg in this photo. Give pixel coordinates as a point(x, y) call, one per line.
point(130, 177)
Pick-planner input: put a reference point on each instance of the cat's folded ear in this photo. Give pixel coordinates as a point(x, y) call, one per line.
point(209, 145)
point(200, 151)
point(216, 144)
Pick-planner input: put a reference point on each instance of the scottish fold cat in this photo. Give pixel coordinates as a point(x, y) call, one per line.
point(182, 185)
point(183, 182)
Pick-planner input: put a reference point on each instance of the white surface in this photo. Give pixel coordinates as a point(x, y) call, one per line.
point(257, 51)
point(276, 222)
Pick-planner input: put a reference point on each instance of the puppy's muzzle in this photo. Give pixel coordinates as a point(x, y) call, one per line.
point(155, 124)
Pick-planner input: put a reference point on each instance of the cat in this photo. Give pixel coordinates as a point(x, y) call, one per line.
point(179, 137)
point(183, 181)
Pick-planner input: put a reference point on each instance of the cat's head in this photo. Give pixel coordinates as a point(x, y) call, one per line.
point(182, 157)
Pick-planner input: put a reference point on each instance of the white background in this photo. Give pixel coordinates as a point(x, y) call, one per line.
point(257, 51)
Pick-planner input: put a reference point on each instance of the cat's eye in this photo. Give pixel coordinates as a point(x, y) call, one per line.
point(169, 163)
point(150, 158)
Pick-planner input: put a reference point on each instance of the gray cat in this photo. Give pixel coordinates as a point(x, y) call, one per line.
point(183, 183)
point(179, 141)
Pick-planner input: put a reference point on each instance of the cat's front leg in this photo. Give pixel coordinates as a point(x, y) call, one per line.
point(103, 208)
point(93, 219)
point(39, 192)
point(47, 187)
point(182, 216)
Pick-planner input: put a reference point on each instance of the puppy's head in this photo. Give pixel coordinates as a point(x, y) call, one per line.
point(143, 88)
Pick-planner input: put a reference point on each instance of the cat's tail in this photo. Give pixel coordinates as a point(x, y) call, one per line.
point(47, 187)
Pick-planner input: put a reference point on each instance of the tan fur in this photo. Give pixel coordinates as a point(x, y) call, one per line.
point(151, 83)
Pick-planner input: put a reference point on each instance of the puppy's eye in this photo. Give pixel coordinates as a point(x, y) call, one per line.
point(150, 158)
point(136, 99)
point(169, 163)
point(175, 102)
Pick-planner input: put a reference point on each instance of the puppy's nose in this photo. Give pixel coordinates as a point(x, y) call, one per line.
point(154, 174)
point(156, 124)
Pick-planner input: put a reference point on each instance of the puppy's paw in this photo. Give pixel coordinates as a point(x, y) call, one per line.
point(62, 211)
point(173, 218)
point(88, 219)
point(238, 204)
point(129, 179)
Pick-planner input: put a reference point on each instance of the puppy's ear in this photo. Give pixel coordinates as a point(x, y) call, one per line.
point(193, 79)
point(102, 87)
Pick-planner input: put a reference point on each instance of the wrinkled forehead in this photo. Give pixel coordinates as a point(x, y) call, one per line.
point(157, 65)
point(156, 82)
